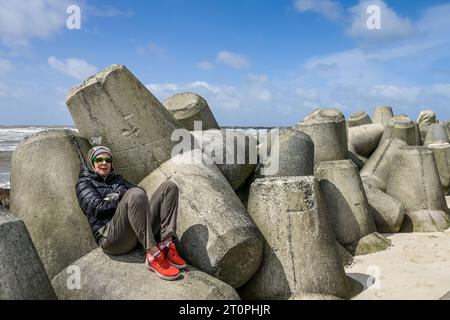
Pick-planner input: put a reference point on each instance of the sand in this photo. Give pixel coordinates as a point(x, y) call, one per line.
point(416, 266)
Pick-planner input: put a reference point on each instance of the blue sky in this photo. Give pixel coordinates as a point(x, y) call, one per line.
point(257, 63)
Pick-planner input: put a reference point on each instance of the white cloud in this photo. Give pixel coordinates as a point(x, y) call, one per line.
point(73, 67)
point(404, 94)
point(109, 11)
point(20, 21)
point(332, 10)
point(153, 49)
point(233, 60)
point(162, 89)
point(392, 25)
point(205, 65)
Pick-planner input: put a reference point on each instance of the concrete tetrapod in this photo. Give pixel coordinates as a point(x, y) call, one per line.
point(364, 139)
point(301, 257)
point(213, 226)
point(414, 180)
point(188, 107)
point(346, 202)
point(376, 170)
point(43, 196)
point(425, 120)
point(358, 118)
point(388, 213)
point(328, 131)
point(441, 151)
point(115, 109)
point(22, 274)
point(124, 277)
point(382, 114)
point(436, 133)
point(234, 152)
point(295, 155)
point(401, 127)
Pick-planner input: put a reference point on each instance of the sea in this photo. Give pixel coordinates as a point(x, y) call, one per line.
point(10, 138)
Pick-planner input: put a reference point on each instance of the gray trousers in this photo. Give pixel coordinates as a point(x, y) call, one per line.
point(137, 219)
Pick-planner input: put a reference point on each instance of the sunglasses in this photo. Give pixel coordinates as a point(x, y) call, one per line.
point(100, 160)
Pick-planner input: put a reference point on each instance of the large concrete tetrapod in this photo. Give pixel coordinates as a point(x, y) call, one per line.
point(402, 128)
point(358, 118)
point(188, 107)
point(376, 170)
point(382, 114)
point(233, 151)
point(115, 109)
point(294, 154)
point(22, 274)
point(436, 133)
point(347, 204)
point(103, 277)
point(216, 233)
point(328, 131)
point(441, 151)
point(301, 257)
point(364, 139)
point(388, 213)
point(414, 180)
point(425, 119)
point(44, 172)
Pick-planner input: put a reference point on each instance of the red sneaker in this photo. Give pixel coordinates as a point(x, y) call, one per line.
point(172, 255)
point(161, 266)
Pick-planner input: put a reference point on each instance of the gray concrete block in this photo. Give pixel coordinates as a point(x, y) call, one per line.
point(358, 118)
point(364, 139)
point(301, 256)
point(22, 274)
point(188, 107)
point(43, 196)
point(382, 114)
point(124, 277)
point(115, 109)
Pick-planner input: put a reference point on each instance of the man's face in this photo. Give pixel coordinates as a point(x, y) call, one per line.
point(103, 167)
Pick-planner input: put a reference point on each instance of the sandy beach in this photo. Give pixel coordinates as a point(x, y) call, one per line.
point(416, 266)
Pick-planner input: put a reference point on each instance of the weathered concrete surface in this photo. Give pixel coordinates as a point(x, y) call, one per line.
point(441, 152)
point(414, 180)
point(436, 133)
point(213, 226)
point(300, 253)
point(377, 168)
point(425, 120)
point(113, 108)
point(5, 198)
point(188, 107)
point(328, 131)
point(22, 274)
point(358, 118)
point(382, 114)
point(43, 196)
point(365, 139)
point(402, 128)
point(124, 277)
point(358, 160)
point(388, 213)
point(371, 243)
point(295, 154)
point(347, 258)
point(414, 267)
point(345, 199)
point(445, 296)
point(234, 152)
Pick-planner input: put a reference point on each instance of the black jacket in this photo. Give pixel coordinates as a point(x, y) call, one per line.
point(92, 190)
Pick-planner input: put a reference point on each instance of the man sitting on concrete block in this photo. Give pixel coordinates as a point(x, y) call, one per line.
point(120, 214)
